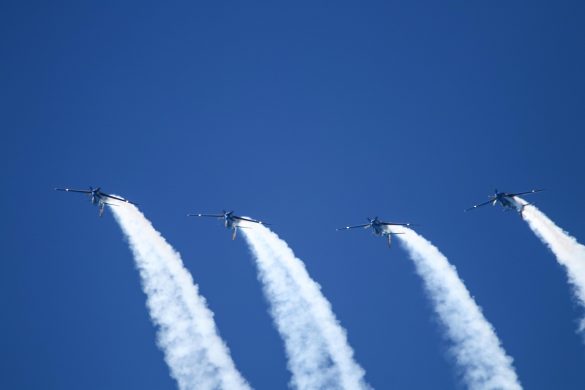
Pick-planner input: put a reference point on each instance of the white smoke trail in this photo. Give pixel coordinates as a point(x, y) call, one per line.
point(196, 355)
point(568, 251)
point(319, 356)
point(475, 346)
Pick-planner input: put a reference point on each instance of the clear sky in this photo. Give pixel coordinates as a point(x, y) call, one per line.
point(311, 116)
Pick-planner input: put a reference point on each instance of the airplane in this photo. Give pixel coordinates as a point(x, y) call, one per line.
point(97, 197)
point(507, 200)
point(231, 221)
point(379, 228)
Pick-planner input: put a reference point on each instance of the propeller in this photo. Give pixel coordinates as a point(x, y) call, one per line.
point(227, 213)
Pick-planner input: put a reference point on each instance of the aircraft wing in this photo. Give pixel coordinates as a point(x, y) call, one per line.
point(117, 198)
point(395, 224)
point(206, 215)
point(70, 190)
point(250, 220)
point(526, 192)
point(355, 226)
point(479, 205)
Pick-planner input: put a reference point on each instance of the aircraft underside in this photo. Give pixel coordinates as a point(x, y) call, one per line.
point(511, 203)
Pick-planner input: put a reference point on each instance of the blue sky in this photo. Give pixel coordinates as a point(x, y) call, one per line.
point(312, 116)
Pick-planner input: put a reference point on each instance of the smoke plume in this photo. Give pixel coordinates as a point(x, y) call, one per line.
point(193, 350)
point(569, 253)
point(474, 344)
point(319, 356)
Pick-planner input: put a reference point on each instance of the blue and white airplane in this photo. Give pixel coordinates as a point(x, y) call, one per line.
point(231, 221)
point(379, 228)
point(97, 197)
point(507, 200)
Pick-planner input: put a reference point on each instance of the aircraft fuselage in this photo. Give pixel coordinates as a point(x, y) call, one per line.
point(229, 221)
point(96, 196)
point(508, 202)
point(379, 229)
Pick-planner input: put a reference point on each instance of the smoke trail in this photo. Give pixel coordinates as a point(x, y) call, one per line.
point(319, 356)
point(196, 355)
point(475, 346)
point(567, 250)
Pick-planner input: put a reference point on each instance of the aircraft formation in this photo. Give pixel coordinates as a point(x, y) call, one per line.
point(379, 228)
